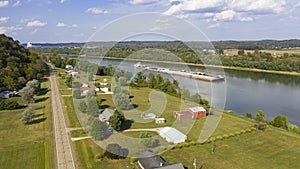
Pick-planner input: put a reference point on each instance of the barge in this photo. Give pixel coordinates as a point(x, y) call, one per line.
point(184, 73)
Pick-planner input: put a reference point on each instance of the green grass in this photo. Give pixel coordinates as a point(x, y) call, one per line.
point(78, 133)
point(27, 146)
point(87, 150)
point(71, 117)
point(268, 149)
point(66, 92)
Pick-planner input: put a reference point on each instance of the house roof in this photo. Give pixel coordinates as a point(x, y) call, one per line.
point(106, 114)
point(149, 160)
point(172, 166)
point(84, 88)
point(197, 109)
point(172, 135)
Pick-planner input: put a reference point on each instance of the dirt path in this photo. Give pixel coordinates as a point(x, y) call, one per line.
point(64, 154)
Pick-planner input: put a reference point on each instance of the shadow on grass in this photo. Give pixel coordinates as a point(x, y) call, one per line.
point(127, 124)
point(42, 91)
point(41, 99)
point(103, 107)
point(39, 115)
point(36, 121)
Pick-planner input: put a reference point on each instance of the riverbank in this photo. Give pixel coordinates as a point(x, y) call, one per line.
point(203, 65)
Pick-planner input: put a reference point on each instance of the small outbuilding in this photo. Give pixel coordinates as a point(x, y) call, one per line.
point(85, 90)
point(69, 67)
point(160, 120)
point(198, 112)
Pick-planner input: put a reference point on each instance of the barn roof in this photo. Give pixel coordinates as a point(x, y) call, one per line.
point(197, 109)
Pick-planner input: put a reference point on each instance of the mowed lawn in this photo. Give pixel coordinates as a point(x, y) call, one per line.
point(27, 146)
point(261, 149)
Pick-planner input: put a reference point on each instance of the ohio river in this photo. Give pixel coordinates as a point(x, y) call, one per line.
point(241, 92)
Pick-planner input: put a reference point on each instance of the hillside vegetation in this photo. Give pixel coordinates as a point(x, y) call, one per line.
point(18, 65)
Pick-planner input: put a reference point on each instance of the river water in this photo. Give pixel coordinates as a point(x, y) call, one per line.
point(241, 92)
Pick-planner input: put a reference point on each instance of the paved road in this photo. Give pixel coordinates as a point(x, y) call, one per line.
point(64, 155)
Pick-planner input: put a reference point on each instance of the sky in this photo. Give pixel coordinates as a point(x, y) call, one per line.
point(51, 21)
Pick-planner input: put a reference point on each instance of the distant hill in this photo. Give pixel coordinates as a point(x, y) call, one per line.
point(230, 44)
point(18, 65)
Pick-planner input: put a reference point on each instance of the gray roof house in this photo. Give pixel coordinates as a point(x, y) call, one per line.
point(106, 114)
point(7, 94)
point(149, 160)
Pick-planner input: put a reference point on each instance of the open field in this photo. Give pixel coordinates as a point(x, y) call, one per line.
point(27, 146)
point(273, 52)
point(268, 149)
point(68, 106)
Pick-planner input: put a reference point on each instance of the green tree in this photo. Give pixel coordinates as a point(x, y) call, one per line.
point(140, 79)
point(92, 107)
point(76, 93)
point(27, 94)
point(27, 116)
point(68, 81)
point(121, 100)
point(151, 80)
point(34, 84)
point(116, 120)
point(249, 115)
point(280, 121)
point(113, 151)
point(260, 116)
point(82, 106)
point(98, 130)
point(185, 94)
point(158, 81)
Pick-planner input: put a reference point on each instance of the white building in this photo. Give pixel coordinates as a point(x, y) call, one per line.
point(172, 135)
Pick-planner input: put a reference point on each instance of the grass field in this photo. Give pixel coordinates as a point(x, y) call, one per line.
point(273, 148)
point(268, 149)
point(68, 106)
point(27, 146)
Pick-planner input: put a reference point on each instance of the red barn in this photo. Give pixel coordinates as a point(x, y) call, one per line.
point(190, 113)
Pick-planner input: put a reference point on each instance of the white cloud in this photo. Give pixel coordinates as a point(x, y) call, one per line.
point(4, 29)
point(297, 5)
point(74, 26)
point(36, 23)
point(96, 11)
point(4, 19)
point(18, 3)
point(61, 24)
point(227, 15)
point(263, 6)
point(195, 5)
point(3, 3)
point(63, 1)
point(136, 2)
point(214, 25)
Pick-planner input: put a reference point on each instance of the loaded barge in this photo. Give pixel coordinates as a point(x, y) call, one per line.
point(194, 75)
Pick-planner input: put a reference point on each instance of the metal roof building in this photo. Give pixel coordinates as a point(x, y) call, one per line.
point(172, 135)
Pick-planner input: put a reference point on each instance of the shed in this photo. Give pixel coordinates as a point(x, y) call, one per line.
point(198, 112)
point(160, 120)
point(106, 114)
point(69, 67)
point(172, 135)
point(84, 90)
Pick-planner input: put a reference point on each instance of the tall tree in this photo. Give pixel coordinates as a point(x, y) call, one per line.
point(260, 116)
point(98, 130)
point(116, 120)
point(27, 116)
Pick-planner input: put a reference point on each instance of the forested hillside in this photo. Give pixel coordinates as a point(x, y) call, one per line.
point(18, 65)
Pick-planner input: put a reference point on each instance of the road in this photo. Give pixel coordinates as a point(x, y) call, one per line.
point(64, 154)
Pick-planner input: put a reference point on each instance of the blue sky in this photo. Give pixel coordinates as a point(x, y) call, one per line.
point(78, 20)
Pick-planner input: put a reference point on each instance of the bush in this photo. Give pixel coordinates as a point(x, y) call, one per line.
point(99, 156)
point(293, 128)
point(185, 144)
point(249, 115)
point(260, 126)
point(231, 135)
point(237, 133)
point(243, 131)
point(212, 139)
point(219, 138)
point(9, 105)
point(133, 160)
point(248, 130)
point(225, 136)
